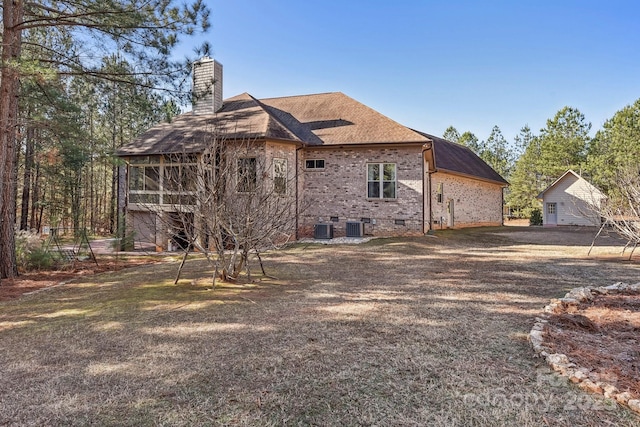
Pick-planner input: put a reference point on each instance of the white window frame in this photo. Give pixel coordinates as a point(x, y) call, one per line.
point(162, 194)
point(280, 168)
point(381, 181)
point(142, 163)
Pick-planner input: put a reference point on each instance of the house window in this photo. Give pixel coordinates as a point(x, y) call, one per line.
point(247, 175)
point(314, 164)
point(144, 173)
point(180, 178)
point(381, 181)
point(551, 208)
point(168, 180)
point(439, 194)
point(280, 176)
point(144, 178)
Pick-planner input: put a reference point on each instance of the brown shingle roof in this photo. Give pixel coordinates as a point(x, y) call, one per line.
point(320, 119)
point(240, 117)
point(459, 159)
point(335, 118)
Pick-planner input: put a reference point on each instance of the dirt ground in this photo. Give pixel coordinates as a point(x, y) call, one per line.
point(603, 336)
point(34, 281)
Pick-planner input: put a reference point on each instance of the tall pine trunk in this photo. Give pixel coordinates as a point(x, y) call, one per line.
point(35, 201)
point(13, 11)
point(27, 181)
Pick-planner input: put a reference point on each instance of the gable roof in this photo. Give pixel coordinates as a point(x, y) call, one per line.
point(458, 159)
point(571, 173)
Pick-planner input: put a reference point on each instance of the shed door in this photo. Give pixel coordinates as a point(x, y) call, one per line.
point(552, 214)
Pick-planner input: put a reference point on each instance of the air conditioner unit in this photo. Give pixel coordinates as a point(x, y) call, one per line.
point(355, 229)
point(323, 231)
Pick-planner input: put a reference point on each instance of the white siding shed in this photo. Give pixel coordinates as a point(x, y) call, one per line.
point(571, 200)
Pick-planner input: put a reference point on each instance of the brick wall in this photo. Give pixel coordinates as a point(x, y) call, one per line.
point(281, 151)
point(475, 203)
point(340, 190)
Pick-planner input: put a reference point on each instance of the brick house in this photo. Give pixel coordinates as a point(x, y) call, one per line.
point(354, 169)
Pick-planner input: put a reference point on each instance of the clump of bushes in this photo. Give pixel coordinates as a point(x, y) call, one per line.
point(536, 217)
point(30, 252)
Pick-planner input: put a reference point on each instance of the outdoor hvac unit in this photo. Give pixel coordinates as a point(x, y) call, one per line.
point(323, 231)
point(355, 229)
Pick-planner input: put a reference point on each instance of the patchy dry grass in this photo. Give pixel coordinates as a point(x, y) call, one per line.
point(423, 331)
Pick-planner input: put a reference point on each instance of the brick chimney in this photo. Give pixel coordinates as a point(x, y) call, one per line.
point(207, 86)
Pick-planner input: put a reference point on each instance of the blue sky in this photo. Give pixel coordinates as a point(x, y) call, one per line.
point(431, 64)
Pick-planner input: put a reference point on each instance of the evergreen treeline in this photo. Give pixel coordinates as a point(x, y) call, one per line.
point(531, 162)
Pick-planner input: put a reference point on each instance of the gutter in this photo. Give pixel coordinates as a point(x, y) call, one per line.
point(427, 147)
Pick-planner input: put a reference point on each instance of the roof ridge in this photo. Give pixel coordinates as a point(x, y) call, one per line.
point(302, 96)
point(266, 109)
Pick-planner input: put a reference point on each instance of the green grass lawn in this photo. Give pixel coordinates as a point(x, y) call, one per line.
point(419, 331)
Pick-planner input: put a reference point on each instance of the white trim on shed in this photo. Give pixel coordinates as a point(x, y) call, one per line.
point(576, 201)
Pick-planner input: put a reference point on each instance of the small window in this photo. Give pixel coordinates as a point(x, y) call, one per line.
point(439, 195)
point(381, 181)
point(247, 175)
point(314, 164)
point(399, 222)
point(551, 208)
point(335, 219)
point(280, 176)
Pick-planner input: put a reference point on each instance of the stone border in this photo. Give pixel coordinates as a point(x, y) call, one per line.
point(585, 378)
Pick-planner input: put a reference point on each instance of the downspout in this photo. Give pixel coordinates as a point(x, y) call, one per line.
point(424, 195)
point(430, 204)
point(502, 207)
point(426, 147)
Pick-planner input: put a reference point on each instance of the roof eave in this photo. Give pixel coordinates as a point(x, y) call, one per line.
point(503, 183)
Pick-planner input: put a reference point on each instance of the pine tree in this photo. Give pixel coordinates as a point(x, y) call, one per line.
point(145, 31)
point(451, 134)
point(563, 144)
point(616, 146)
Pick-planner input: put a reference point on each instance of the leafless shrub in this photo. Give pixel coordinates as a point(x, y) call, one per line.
point(231, 199)
point(621, 211)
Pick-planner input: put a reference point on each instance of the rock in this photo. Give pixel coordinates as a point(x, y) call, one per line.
point(610, 391)
point(623, 397)
point(536, 339)
point(557, 359)
point(553, 307)
point(590, 386)
point(616, 286)
point(581, 294)
point(577, 377)
point(634, 404)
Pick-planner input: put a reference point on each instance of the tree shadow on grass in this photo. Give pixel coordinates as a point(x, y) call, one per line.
point(402, 331)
